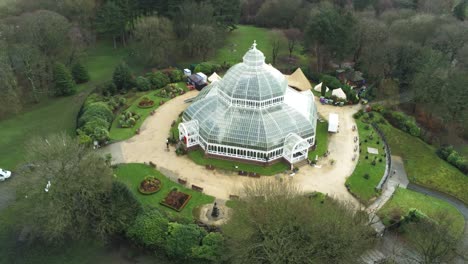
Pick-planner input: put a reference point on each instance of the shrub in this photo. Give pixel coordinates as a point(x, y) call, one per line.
point(122, 101)
point(97, 109)
point(358, 114)
point(449, 154)
point(207, 68)
point(122, 77)
point(403, 122)
point(183, 239)
point(100, 134)
point(378, 108)
point(366, 176)
point(145, 102)
point(211, 249)
point(158, 79)
point(330, 81)
point(128, 119)
point(85, 139)
point(79, 73)
point(142, 83)
point(63, 81)
point(149, 229)
point(176, 75)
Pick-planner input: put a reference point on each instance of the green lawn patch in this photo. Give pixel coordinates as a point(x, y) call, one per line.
point(132, 174)
point(423, 166)
point(240, 40)
point(118, 133)
point(405, 200)
point(321, 139)
point(366, 176)
point(53, 115)
point(198, 156)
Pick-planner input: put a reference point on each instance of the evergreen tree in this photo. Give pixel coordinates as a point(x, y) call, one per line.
point(122, 77)
point(80, 74)
point(64, 84)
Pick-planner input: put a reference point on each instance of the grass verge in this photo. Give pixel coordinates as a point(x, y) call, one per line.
point(132, 174)
point(423, 166)
point(366, 176)
point(198, 156)
point(321, 140)
point(404, 200)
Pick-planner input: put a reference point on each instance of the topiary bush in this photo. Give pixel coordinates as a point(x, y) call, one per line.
point(79, 73)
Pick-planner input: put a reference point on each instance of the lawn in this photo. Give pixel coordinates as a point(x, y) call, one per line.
point(321, 140)
point(241, 39)
point(405, 200)
point(132, 174)
point(53, 115)
point(423, 166)
point(359, 186)
point(199, 158)
point(117, 133)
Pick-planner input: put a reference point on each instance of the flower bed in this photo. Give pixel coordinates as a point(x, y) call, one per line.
point(145, 103)
point(176, 200)
point(170, 91)
point(149, 185)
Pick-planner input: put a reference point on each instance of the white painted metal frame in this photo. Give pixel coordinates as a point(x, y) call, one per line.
point(295, 148)
point(188, 133)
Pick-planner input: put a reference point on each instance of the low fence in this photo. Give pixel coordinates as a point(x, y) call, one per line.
point(388, 157)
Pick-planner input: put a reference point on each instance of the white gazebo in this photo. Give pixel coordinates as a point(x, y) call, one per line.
point(339, 93)
point(333, 123)
point(295, 148)
point(188, 133)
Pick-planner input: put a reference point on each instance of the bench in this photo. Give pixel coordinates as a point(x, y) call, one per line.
point(182, 181)
point(243, 173)
point(209, 167)
point(152, 164)
point(254, 175)
point(233, 197)
point(197, 188)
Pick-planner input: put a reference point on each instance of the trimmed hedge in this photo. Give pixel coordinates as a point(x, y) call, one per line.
point(453, 157)
point(403, 122)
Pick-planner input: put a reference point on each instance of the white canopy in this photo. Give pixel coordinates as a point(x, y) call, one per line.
point(339, 93)
point(333, 122)
point(214, 77)
point(318, 88)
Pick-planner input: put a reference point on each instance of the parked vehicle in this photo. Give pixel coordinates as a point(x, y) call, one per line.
point(4, 174)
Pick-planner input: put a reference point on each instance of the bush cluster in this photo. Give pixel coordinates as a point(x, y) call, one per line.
point(183, 241)
point(330, 81)
point(96, 116)
point(207, 67)
point(128, 119)
point(453, 157)
point(403, 122)
point(170, 91)
point(158, 79)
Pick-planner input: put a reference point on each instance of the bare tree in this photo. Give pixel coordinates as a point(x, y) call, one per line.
point(293, 35)
point(275, 43)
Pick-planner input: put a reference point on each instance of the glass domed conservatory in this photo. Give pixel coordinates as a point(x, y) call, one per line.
point(251, 114)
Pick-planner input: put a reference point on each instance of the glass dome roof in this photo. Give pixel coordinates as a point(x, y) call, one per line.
point(253, 79)
point(259, 126)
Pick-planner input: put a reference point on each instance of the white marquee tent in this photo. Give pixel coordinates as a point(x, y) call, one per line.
point(318, 88)
point(333, 123)
point(339, 93)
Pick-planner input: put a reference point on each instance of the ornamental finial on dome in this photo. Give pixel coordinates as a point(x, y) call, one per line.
point(254, 45)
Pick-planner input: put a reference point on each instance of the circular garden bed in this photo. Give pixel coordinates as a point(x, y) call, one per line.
point(145, 103)
point(149, 185)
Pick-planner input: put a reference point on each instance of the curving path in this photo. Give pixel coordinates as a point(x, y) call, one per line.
point(150, 145)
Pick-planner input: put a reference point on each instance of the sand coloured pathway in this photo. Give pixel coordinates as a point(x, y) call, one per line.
point(150, 145)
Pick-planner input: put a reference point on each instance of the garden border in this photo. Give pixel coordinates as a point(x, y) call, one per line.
point(388, 157)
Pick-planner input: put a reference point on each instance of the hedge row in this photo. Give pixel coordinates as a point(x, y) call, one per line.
point(453, 157)
point(95, 118)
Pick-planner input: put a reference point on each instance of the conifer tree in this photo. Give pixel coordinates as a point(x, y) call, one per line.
point(64, 84)
point(79, 72)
